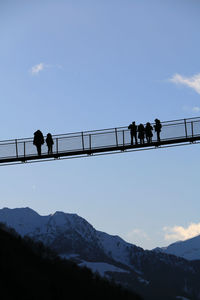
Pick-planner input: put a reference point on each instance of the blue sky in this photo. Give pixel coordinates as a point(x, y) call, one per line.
point(70, 66)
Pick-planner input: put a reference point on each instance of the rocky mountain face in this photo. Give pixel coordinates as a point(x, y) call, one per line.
point(189, 249)
point(153, 274)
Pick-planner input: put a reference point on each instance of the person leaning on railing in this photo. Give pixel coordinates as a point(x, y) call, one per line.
point(157, 128)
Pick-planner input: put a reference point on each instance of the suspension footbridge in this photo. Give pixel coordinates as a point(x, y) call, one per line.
point(99, 142)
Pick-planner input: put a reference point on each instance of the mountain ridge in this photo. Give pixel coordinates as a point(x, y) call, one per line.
point(188, 249)
point(143, 271)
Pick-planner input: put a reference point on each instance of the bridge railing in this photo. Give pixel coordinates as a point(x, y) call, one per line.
point(99, 139)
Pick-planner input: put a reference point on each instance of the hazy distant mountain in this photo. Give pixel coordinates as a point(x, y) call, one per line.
point(189, 249)
point(155, 275)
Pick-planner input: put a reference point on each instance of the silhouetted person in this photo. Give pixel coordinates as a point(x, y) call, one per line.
point(49, 142)
point(158, 127)
point(38, 141)
point(141, 131)
point(149, 133)
point(133, 132)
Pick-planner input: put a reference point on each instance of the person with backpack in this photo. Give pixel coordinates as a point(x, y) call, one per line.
point(133, 132)
point(49, 142)
point(157, 128)
point(38, 141)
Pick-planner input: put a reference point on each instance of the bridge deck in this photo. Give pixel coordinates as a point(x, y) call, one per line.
point(99, 141)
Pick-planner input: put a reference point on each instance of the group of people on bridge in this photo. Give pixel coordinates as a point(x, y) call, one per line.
point(38, 141)
point(141, 132)
point(136, 132)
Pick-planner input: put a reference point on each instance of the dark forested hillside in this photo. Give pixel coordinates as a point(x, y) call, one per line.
point(31, 271)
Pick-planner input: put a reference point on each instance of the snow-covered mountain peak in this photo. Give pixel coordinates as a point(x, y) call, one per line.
point(60, 219)
point(19, 211)
point(63, 214)
point(60, 225)
point(188, 249)
point(28, 222)
point(23, 220)
point(69, 221)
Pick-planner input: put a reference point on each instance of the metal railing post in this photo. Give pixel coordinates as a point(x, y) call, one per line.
point(16, 148)
point(192, 129)
point(185, 128)
point(116, 137)
point(82, 141)
point(24, 149)
point(90, 142)
point(57, 145)
point(123, 138)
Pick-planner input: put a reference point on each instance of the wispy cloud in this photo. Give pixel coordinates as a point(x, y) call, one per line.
point(37, 68)
point(178, 233)
point(41, 66)
point(192, 82)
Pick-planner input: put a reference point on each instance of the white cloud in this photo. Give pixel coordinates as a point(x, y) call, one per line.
point(37, 68)
point(192, 82)
point(177, 233)
point(41, 66)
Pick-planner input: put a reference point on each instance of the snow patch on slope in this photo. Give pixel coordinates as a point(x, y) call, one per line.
point(115, 247)
point(69, 256)
point(101, 267)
